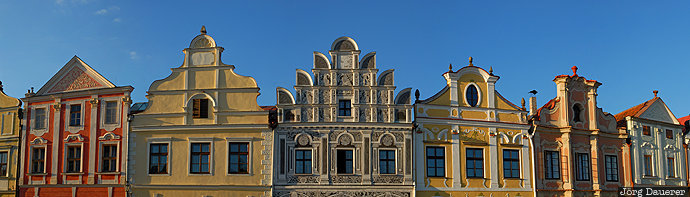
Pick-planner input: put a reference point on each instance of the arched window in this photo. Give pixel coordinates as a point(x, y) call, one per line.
point(577, 110)
point(472, 96)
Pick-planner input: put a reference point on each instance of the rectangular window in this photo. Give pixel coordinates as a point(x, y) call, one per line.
point(511, 164)
point(38, 158)
point(40, 118)
point(582, 167)
point(199, 159)
point(3, 163)
point(648, 165)
point(552, 165)
point(109, 154)
point(200, 108)
point(611, 162)
point(110, 112)
point(73, 159)
point(646, 130)
point(386, 161)
point(669, 133)
point(158, 159)
point(75, 115)
point(344, 108)
point(671, 170)
point(345, 161)
point(303, 162)
point(475, 162)
point(238, 159)
point(435, 162)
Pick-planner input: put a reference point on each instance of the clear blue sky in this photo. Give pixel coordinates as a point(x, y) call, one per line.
point(632, 47)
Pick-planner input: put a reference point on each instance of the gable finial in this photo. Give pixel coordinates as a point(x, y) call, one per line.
point(32, 90)
point(450, 67)
point(523, 103)
point(0, 86)
point(491, 70)
point(574, 68)
point(471, 61)
point(203, 29)
point(655, 92)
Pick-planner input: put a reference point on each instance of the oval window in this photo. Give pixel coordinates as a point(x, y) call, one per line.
point(471, 96)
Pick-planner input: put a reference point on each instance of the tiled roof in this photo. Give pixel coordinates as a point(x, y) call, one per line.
point(268, 108)
point(634, 111)
point(549, 105)
point(683, 119)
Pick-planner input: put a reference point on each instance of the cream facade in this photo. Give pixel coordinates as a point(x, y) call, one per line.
point(10, 125)
point(203, 133)
point(471, 141)
point(343, 132)
point(656, 144)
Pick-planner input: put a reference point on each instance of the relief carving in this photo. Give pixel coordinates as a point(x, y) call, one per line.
point(347, 179)
point(303, 179)
point(388, 179)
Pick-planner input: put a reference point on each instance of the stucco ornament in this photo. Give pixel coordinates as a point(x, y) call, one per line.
point(345, 140)
point(387, 140)
point(303, 140)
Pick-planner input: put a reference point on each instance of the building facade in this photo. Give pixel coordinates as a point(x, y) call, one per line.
point(578, 149)
point(202, 133)
point(344, 132)
point(472, 141)
point(656, 144)
point(74, 136)
point(10, 125)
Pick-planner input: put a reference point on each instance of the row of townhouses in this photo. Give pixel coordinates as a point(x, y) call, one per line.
point(343, 130)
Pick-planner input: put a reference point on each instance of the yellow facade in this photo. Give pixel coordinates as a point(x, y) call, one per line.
point(464, 122)
point(171, 121)
point(10, 124)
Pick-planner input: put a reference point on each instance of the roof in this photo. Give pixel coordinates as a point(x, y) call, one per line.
point(269, 108)
point(683, 119)
point(637, 111)
point(138, 107)
point(549, 105)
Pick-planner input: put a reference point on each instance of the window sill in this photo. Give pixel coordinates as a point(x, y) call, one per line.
point(37, 174)
point(112, 173)
point(476, 178)
point(72, 173)
point(200, 174)
point(239, 174)
point(166, 174)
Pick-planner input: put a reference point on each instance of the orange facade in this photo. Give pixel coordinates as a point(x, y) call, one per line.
point(74, 135)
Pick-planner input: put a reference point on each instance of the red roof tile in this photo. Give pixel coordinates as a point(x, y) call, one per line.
point(634, 111)
point(683, 119)
point(269, 108)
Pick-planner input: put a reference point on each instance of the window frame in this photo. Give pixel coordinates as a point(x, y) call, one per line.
point(79, 112)
point(646, 130)
point(549, 168)
point(580, 173)
point(200, 154)
point(337, 161)
point(167, 141)
point(44, 118)
point(248, 154)
point(66, 159)
point(311, 161)
point(578, 113)
point(435, 158)
point(467, 98)
point(609, 168)
point(343, 108)
point(387, 160)
point(669, 134)
point(648, 166)
point(102, 158)
point(6, 164)
point(510, 159)
point(196, 103)
point(670, 167)
point(467, 159)
point(32, 170)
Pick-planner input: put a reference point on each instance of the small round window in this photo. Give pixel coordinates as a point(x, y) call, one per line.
point(471, 96)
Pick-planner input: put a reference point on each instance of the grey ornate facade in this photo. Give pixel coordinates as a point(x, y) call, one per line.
point(344, 132)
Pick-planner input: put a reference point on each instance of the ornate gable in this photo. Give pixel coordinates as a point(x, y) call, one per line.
point(75, 75)
point(659, 111)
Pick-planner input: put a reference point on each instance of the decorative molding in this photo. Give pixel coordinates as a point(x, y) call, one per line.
point(72, 137)
point(39, 140)
point(109, 136)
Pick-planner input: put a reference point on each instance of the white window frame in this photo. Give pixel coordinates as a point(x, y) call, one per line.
point(354, 160)
point(45, 159)
point(46, 112)
point(117, 157)
point(378, 164)
point(479, 94)
point(68, 116)
point(118, 113)
point(81, 158)
point(192, 140)
point(150, 141)
point(294, 160)
point(250, 155)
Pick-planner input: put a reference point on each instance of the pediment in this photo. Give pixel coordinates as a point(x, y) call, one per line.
point(74, 76)
point(659, 111)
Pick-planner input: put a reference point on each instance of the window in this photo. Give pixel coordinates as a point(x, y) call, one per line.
point(73, 159)
point(200, 158)
point(648, 165)
point(200, 108)
point(40, 118)
point(38, 158)
point(238, 158)
point(158, 159)
point(582, 167)
point(288, 115)
point(109, 161)
point(577, 111)
point(344, 108)
point(475, 162)
point(511, 164)
point(345, 161)
point(472, 96)
point(110, 112)
point(435, 162)
point(386, 161)
point(671, 170)
point(669, 133)
point(75, 115)
point(552, 165)
point(3, 163)
point(611, 168)
point(646, 130)
point(303, 162)
point(400, 115)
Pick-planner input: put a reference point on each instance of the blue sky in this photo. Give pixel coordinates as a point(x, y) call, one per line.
point(632, 47)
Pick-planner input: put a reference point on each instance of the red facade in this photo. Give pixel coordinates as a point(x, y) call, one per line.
point(74, 135)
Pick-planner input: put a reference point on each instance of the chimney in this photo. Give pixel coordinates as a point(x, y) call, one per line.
point(532, 106)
